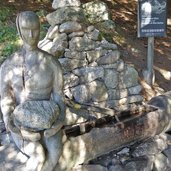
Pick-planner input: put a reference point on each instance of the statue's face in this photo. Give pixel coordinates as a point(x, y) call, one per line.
point(30, 30)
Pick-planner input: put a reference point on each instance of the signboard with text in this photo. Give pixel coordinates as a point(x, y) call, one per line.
point(152, 18)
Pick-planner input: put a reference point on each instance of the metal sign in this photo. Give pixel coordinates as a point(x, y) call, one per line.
point(152, 18)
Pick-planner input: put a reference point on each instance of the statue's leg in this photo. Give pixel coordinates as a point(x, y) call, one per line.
point(34, 150)
point(54, 146)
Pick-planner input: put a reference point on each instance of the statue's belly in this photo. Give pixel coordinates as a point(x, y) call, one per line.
point(33, 85)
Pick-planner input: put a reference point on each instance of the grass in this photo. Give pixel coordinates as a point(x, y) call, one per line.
point(8, 34)
point(9, 38)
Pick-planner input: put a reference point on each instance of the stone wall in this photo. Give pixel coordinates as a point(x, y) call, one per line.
point(94, 72)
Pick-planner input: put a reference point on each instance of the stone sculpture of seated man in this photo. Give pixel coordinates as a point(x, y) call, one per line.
point(32, 102)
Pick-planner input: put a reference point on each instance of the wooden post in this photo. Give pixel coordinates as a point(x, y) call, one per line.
point(150, 60)
point(149, 73)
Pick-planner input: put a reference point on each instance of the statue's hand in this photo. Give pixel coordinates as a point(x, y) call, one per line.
point(27, 135)
point(30, 136)
point(53, 130)
point(10, 127)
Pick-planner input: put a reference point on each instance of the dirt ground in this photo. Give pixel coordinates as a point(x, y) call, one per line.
point(133, 50)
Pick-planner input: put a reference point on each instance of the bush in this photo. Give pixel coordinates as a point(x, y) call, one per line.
point(9, 39)
point(8, 33)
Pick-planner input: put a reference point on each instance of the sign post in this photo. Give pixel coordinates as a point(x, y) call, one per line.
point(152, 22)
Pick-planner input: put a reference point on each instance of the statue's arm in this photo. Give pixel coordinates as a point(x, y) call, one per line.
point(58, 98)
point(7, 99)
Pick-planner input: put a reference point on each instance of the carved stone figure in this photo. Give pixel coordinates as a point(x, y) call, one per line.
point(32, 104)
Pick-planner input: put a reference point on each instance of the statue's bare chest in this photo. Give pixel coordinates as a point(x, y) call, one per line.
point(37, 76)
point(33, 74)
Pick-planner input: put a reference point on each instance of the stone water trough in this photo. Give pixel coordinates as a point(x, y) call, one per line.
point(89, 140)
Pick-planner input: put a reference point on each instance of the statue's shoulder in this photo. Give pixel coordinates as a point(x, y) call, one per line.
point(12, 60)
point(52, 59)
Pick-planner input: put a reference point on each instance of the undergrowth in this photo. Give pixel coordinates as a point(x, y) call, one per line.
point(9, 38)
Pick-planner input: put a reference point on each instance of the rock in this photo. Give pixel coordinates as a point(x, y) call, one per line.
point(111, 66)
point(121, 65)
point(73, 118)
point(110, 78)
point(116, 94)
point(89, 74)
point(115, 168)
point(70, 80)
point(109, 46)
point(93, 64)
point(90, 168)
point(162, 101)
point(95, 54)
point(36, 115)
point(124, 151)
point(53, 32)
point(96, 11)
point(135, 90)
point(93, 91)
point(45, 45)
point(58, 48)
point(124, 101)
point(82, 44)
point(139, 164)
point(75, 55)
point(150, 147)
point(94, 35)
point(161, 162)
point(70, 64)
point(112, 93)
point(65, 3)
point(109, 58)
point(76, 34)
point(129, 78)
point(69, 27)
point(90, 29)
point(167, 152)
point(66, 14)
point(68, 93)
point(107, 24)
point(60, 37)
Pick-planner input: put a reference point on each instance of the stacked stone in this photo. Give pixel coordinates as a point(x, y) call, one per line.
point(94, 73)
point(151, 155)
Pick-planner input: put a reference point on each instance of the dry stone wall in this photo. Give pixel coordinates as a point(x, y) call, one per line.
point(94, 72)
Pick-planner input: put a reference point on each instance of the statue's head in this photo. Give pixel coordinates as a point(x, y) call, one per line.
point(28, 26)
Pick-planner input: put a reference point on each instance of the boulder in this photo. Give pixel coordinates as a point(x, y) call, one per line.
point(96, 11)
point(66, 14)
point(65, 3)
point(36, 115)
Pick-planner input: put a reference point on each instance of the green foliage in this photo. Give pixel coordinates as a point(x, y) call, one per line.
point(9, 39)
point(4, 13)
point(41, 13)
point(9, 48)
point(43, 30)
point(44, 25)
point(8, 33)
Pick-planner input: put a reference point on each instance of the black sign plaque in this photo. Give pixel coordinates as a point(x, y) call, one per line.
point(152, 18)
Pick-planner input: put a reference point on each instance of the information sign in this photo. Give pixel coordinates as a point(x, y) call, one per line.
point(152, 18)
